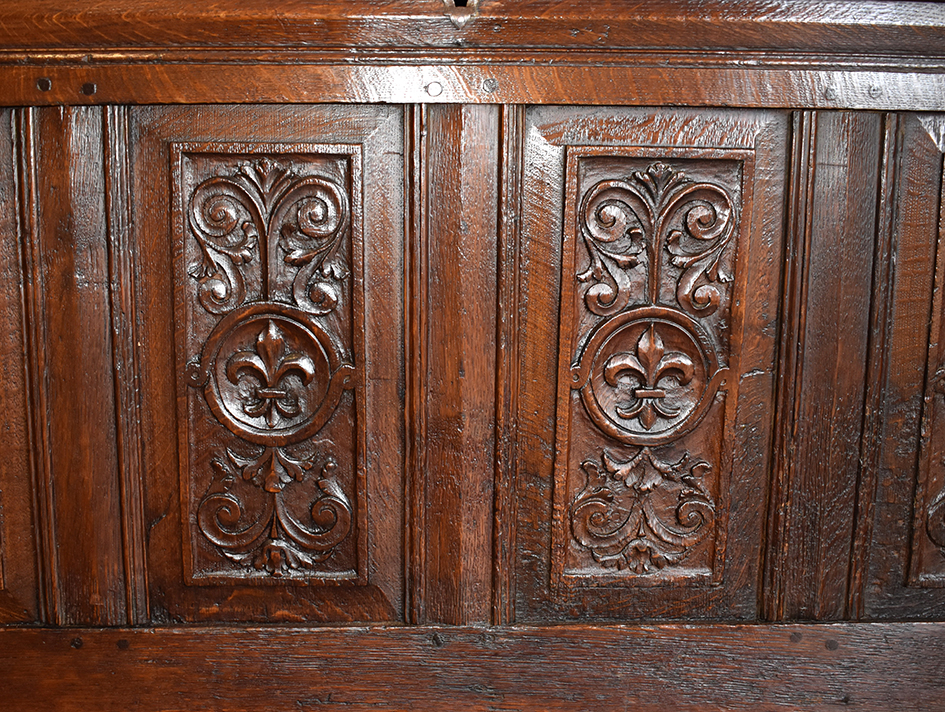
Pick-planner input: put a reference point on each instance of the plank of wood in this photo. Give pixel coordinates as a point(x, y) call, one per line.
point(548, 77)
point(671, 667)
point(904, 27)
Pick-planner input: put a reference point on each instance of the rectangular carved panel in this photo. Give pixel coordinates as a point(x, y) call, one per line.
point(655, 237)
point(276, 493)
point(269, 274)
point(647, 281)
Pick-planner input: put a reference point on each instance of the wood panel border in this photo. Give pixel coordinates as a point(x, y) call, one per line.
point(542, 79)
point(646, 667)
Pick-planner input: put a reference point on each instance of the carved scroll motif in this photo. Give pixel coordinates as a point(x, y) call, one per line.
point(649, 363)
point(274, 368)
point(643, 514)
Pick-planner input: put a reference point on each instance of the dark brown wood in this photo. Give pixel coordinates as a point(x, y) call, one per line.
point(665, 364)
point(549, 77)
point(414, 323)
point(122, 259)
point(904, 575)
point(669, 667)
point(281, 499)
point(72, 395)
point(833, 231)
point(508, 326)
point(878, 364)
point(460, 222)
point(905, 27)
point(901, 553)
point(18, 573)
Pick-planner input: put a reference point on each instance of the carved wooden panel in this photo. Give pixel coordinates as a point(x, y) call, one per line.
point(269, 272)
point(663, 268)
point(646, 308)
point(285, 501)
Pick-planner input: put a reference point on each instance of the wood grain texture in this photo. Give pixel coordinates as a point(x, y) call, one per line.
point(736, 433)
point(878, 364)
point(508, 327)
point(461, 218)
point(558, 77)
point(71, 362)
point(369, 441)
point(924, 157)
point(124, 319)
point(18, 555)
point(651, 667)
point(913, 27)
point(915, 226)
point(837, 160)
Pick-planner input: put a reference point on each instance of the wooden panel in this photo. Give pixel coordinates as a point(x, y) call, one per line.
point(73, 406)
point(283, 497)
point(18, 590)
point(664, 361)
point(271, 235)
point(755, 24)
point(122, 261)
point(925, 227)
point(897, 577)
point(458, 370)
point(551, 77)
point(836, 173)
point(881, 667)
point(928, 533)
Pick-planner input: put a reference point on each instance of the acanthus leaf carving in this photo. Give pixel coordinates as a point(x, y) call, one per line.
point(226, 222)
point(274, 540)
point(643, 514)
point(264, 201)
point(313, 217)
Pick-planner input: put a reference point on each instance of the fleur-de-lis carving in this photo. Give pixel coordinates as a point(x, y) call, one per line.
point(270, 364)
point(649, 367)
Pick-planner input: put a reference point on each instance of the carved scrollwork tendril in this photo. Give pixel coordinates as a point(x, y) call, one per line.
point(313, 216)
point(226, 222)
point(620, 220)
point(707, 227)
point(614, 222)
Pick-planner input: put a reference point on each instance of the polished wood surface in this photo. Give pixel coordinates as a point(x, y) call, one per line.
point(644, 667)
point(522, 355)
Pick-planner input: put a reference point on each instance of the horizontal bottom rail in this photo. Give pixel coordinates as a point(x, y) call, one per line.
point(876, 666)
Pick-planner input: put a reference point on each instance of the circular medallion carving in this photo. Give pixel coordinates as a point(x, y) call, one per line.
point(270, 374)
point(648, 375)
